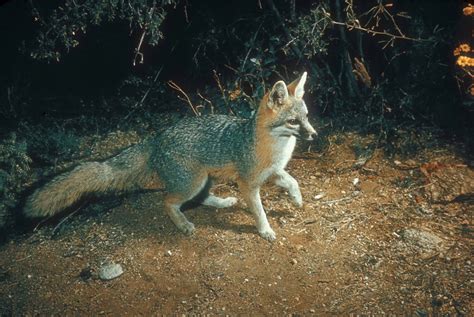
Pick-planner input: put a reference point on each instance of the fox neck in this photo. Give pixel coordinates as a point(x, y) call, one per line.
point(272, 152)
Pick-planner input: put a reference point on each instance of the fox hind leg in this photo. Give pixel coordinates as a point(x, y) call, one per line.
point(177, 197)
point(219, 202)
point(207, 199)
point(178, 218)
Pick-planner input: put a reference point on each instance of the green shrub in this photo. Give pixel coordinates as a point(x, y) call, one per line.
point(14, 171)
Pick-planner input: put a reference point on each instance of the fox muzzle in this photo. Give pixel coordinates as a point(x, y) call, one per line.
point(308, 133)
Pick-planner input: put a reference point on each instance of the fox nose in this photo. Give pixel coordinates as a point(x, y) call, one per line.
point(311, 134)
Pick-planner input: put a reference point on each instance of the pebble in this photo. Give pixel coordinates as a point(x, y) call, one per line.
point(319, 196)
point(421, 240)
point(294, 262)
point(110, 271)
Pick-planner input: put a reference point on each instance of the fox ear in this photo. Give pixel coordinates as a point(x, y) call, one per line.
point(296, 88)
point(278, 95)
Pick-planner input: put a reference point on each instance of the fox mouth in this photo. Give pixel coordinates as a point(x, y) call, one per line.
point(298, 133)
point(303, 136)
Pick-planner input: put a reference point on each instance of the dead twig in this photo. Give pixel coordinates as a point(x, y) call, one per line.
point(251, 47)
point(346, 198)
point(39, 224)
point(290, 38)
point(24, 258)
point(351, 27)
point(361, 72)
point(58, 226)
point(221, 88)
point(140, 103)
point(346, 69)
point(138, 48)
point(306, 222)
point(207, 100)
point(186, 98)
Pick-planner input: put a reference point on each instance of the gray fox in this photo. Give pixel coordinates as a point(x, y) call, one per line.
point(188, 155)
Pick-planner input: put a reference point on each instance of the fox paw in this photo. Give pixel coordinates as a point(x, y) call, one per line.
point(268, 234)
point(219, 202)
point(297, 200)
point(229, 202)
point(187, 228)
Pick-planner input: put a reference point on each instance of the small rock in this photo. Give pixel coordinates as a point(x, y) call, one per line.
point(319, 196)
point(293, 261)
point(168, 253)
point(110, 271)
point(422, 241)
point(355, 181)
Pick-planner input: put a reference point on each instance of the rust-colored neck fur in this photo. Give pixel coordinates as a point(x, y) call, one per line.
point(263, 139)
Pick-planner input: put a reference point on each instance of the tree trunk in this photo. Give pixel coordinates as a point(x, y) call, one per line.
point(346, 67)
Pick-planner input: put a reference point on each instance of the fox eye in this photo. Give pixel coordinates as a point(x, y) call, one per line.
point(292, 122)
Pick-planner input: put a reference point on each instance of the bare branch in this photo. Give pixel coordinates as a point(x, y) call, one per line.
point(140, 103)
point(186, 98)
point(137, 50)
point(221, 88)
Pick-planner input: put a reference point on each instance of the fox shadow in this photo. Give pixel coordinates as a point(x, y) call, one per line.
point(141, 214)
point(237, 219)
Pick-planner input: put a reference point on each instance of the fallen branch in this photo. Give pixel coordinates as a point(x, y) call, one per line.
point(58, 226)
point(350, 197)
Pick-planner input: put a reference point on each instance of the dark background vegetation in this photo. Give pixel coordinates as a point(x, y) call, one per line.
point(80, 68)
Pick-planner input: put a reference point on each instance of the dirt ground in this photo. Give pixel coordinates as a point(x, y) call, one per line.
point(383, 235)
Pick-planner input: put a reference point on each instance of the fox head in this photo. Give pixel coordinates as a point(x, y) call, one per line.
point(287, 111)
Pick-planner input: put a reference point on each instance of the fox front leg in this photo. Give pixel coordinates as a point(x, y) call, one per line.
point(285, 180)
point(252, 198)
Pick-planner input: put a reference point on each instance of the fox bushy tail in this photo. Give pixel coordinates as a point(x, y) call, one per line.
point(125, 171)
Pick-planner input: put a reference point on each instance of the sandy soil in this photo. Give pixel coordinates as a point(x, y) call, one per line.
point(377, 236)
